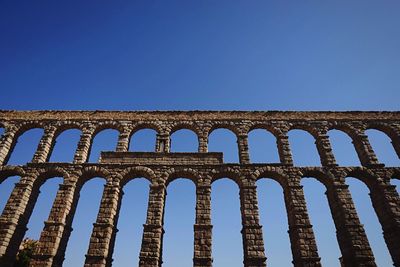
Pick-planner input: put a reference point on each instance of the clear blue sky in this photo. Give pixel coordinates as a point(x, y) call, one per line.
point(224, 55)
point(337, 55)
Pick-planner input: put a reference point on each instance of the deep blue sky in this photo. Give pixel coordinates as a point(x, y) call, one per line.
point(309, 55)
point(221, 55)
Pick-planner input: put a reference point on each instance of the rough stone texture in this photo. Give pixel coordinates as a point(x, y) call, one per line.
point(161, 167)
point(161, 158)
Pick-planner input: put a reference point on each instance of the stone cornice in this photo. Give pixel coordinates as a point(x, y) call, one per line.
point(198, 115)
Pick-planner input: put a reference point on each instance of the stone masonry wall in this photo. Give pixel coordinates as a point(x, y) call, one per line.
point(162, 166)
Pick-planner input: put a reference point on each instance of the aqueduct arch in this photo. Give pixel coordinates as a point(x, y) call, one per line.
point(203, 167)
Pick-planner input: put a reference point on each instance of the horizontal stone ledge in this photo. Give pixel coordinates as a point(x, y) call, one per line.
point(248, 187)
point(203, 187)
point(294, 187)
point(338, 186)
point(254, 259)
point(251, 227)
point(95, 257)
point(96, 116)
point(54, 223)
point(149, 258)
point(165, 158)
point(158, 187)
point(103, 225)
point(202, 260)
point(152, 226)
point(67, 186)
point(24, 185)
point(202, 226)
point(375, 165)
point(273, 166)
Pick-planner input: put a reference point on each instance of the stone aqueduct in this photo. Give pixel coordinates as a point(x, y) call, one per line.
point(161, 167)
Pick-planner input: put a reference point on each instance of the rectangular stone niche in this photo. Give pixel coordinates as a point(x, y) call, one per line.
point(161, 158)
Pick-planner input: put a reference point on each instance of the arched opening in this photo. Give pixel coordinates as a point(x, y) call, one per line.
point(396, 181)
point(262, 147)
point(224, 140)
point(184, 140)
point(303, 147)
point(381, 145)
point(143, 140)
point(343, 148)
point(362, 202)
point(132, 216)
point(322, 221)
point(45, 199)
point(179, 219)
point(85, 215)
point(227, 246)
point(106, 140)
point(6, 188)
point(273, 218)
point(26, 146)
point(65, 146)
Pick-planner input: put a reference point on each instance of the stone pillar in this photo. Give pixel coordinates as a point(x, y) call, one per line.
point(124, 140)
point(325, 151)
point(353, 241)
point(14, 219)
point(386, 202)
point(253, 244)
point(203, 228)
point(243, 148)
point(46, 145)
point(163, 143)
point(151, 250)
point(102, 241)
point(84, 145)
point(365, 152)
point(50, 250)
point(301, 234)
point(203, 143)
point(285, 155)
point(7, 144)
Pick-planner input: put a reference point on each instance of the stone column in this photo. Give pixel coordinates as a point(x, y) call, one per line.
point(151, 250)
point(325, 150)
point(50, 250)
point(84, 145)
point(353, 241)
point(14, 219)
point(163, 143)
point(301, 234)
point(46, 145)
point(365, 152)
point(124, 140)
point(243, 148)
point(102, 241)
point(203, 228)
point(386, 202)
point(203, 143)
point(285, 155)
point(7, 144)
point(253, 244)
